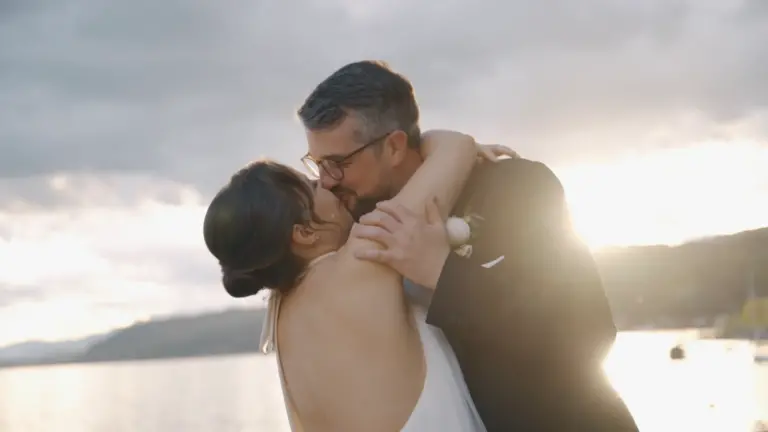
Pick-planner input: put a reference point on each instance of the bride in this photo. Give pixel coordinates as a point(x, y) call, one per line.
point(354, 354)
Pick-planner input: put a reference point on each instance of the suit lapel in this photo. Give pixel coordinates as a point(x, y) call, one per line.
point(472, 198)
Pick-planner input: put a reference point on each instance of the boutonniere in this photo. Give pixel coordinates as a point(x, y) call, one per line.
point(461, 230)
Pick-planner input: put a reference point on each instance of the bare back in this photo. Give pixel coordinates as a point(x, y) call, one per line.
point(371, 371)
point(350, 350)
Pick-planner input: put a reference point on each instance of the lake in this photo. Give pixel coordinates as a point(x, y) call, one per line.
point(717, 388)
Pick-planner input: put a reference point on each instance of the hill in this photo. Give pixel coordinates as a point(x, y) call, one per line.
point(234, 331)
point(684, 285)
point(39, 350)
point(652, 286)
point(228, 332)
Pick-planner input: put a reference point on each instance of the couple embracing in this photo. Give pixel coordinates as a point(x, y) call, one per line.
point(379, 322)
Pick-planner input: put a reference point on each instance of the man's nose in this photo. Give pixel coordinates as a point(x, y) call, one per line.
point(327, 182)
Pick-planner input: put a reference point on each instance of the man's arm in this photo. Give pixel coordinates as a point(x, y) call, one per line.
point(547, 281)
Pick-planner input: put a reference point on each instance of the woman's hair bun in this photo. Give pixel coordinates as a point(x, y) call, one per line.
point(241, 284)
point(249, 227)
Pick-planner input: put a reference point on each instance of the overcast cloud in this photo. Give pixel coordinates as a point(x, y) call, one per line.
point(124, 105)
point(191, 89)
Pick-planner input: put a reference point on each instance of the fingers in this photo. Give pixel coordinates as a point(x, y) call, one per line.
point(397, 211)
point(492, 152)
point(373, 233)
point(500, 150)
point(381, 219)
point(486, 153)
point(433, 212)
point(375, 255)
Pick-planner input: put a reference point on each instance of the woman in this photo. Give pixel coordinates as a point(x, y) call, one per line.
point(354, 355)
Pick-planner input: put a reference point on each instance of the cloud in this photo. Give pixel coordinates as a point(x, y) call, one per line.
point(91, 189)
point(112, 264)
point(120, 119)
point(10, 294)
point(188, 90)
point(670, 196)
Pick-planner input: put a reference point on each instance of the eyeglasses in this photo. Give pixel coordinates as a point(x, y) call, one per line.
point(334, 165)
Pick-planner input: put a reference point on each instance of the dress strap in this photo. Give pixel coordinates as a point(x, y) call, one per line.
point(268, 345)
point(269, 326)
point(268, 340)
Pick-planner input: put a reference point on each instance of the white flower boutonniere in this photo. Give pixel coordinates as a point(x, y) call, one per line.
point(460, 232)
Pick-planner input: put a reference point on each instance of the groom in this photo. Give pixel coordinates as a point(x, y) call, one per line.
point(525, 313)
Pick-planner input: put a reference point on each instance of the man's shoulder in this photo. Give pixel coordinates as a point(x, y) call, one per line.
point(510, 177)
point(516, 171)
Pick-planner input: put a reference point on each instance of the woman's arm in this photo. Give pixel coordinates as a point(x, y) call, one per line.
point(449, 159)
point(442, 176)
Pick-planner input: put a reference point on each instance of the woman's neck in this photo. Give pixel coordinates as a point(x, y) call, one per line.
point(310, 262)
point(313, 255)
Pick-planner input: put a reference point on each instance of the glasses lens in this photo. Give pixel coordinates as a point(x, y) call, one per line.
point(311, 166)
point(333, 169)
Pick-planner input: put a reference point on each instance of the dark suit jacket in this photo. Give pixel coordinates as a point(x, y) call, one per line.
point(532, 331)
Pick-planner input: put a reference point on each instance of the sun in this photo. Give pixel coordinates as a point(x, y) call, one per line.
point(669, 196)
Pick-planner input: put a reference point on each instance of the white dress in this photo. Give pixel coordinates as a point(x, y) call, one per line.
point(444, 404)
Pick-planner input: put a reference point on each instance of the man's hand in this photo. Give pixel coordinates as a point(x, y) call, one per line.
point(414, 246)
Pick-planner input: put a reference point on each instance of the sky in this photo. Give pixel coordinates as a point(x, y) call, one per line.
point(119, 120)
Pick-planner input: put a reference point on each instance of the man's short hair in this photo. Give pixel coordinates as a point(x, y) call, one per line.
point(382, 99)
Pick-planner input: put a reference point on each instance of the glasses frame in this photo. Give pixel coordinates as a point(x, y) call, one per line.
point(335, 167)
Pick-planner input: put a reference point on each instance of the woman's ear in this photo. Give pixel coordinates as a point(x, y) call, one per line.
point(304, 235)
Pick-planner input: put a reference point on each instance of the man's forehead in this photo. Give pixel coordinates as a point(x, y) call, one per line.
point(333, 142)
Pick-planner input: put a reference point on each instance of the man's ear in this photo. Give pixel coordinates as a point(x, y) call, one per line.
point(304, 235)
point(397, 146)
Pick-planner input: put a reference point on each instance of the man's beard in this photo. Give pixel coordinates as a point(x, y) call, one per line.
point(358, 205)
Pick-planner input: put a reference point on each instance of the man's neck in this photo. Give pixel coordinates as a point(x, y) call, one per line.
point(406, 170)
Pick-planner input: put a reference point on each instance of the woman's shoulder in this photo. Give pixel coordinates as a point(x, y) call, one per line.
point(326, 280)
point(356, 289)
point(341, 271)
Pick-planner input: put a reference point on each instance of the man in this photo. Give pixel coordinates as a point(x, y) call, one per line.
point(525, 313)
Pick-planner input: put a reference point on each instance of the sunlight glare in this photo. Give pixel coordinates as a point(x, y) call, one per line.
point(713, 389)
point(106, 267)
point(669, 196)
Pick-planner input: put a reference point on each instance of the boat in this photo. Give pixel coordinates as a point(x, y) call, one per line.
point(677, 352)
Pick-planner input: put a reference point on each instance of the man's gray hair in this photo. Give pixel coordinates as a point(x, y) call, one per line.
point(382, 101)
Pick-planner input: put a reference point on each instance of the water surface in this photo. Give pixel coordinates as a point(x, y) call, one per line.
point(717, 388)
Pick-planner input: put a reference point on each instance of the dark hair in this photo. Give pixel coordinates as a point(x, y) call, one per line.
point(249, 225)
point(382, 99)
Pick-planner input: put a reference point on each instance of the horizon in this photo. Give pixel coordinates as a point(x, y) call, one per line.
point(120, 125)
point(259, 301)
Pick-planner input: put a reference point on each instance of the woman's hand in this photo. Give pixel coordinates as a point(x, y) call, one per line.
point(492, 152)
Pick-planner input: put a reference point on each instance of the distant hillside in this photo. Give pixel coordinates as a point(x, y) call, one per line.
point(38, 350)
point(648, 286)
point(229, 332)
point(234, 331)
point(684, 285)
